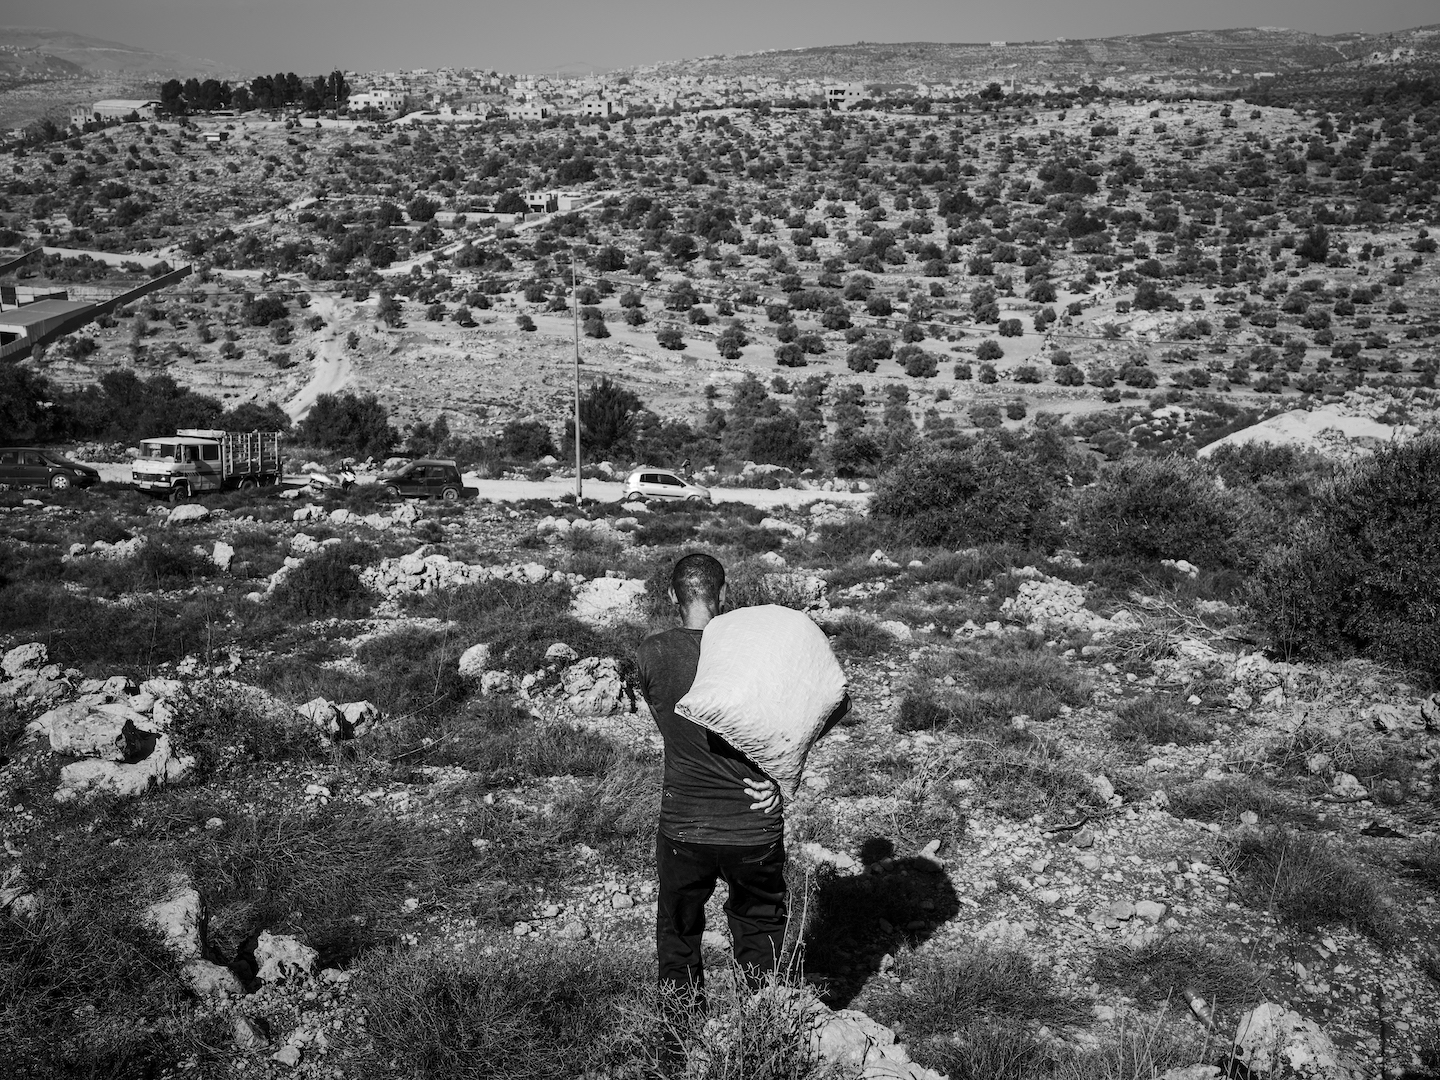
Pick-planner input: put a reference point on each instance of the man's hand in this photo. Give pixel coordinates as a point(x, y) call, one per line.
point(765, 794)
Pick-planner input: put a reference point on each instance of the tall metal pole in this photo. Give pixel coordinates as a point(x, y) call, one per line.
point(575, 307)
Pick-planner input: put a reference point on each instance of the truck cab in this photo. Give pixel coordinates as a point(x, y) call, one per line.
point(198, 460)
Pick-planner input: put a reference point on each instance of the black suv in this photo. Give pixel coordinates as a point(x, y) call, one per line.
point(29, 467)
point(426, 477)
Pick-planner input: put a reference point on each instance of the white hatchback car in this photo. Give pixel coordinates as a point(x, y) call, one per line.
point(649, 482)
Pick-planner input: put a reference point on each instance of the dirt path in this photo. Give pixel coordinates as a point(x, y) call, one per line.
point(333, 370)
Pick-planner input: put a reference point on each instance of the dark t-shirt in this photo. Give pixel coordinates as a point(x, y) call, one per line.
point(704, 801)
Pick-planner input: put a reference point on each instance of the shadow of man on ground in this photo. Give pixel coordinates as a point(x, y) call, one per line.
point(851, 922)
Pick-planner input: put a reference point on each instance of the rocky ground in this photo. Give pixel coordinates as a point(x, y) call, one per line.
point(312, 757)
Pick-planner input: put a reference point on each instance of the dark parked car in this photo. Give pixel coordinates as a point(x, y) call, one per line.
point(426, 477)
point(29, 467)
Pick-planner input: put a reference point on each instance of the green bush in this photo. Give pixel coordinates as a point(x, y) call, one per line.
point(1362, 572)
point(328, 583)
point(1161, 508)
point(349, 423)
point(992, 490)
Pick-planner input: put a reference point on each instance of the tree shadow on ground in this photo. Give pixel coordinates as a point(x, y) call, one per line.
point(853, 921)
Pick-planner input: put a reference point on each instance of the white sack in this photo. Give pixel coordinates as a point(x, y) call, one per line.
point(766, 683)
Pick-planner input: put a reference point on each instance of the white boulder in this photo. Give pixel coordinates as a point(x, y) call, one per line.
point(24, 659)
point(1272, 1041)
point(280, 956)
point(475, 661)
point(187, 514)
point(606, 601)
point(593, 687)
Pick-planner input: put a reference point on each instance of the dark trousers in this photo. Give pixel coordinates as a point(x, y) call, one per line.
point(755, 907)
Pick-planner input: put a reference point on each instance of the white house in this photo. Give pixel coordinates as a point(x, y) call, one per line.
point(845, 95)
point(386, 102)
point(120, 108)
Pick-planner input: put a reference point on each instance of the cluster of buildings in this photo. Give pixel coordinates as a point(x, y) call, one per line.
point(465, 95)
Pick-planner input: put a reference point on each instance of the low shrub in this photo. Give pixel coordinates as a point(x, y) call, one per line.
point(1307, 883)
point(1156, 721)
point(328, 583)
point(501, 1010)
point(993, 490)
point(1149, 509)
point(1361, 575)
point(973, 1014)
point(1173, 969)
point(1223, 801)
point(85, 989)
point(335, 876)
point(521, 621)
point(85, 632)
point(858, 636)
point(220, 725)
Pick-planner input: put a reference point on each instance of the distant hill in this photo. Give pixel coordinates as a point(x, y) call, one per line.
point(1193, 56)
point(40, 53)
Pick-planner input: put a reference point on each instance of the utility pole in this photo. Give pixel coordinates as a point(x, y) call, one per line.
point(575, 308)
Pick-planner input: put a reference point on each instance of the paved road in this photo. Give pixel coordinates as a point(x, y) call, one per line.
point(610, 491)
point(600, 490)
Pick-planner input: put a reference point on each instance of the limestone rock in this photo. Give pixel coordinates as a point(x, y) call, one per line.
point(1053, 601)
point(84, 729)
point(178, 920)
point(1347, 786)
point(280, 956)
point(898, 630)
point(222, 555)
point(849, 1038)
point(593, 687)
point(249, 1035)
point(475, 661)
point(24, 659)
point(1276, 1042)
point(606, 601)
point(561, 653)
point(211, 980)
point(774, 524)
point(322, 715)
point(497, 682)
point(187, 514)
point(358, 717)
point(1152, 911)
point(288, 1055)
point(91, 776)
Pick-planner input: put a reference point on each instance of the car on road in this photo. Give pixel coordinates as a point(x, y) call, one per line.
point(648, 482)
point(428, 478)
point(33, 467)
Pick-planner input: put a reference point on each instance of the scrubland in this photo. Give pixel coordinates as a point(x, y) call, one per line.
point(1112, 780)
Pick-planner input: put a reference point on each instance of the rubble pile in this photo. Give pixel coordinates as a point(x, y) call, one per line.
point(120, 734)
point(421, 573)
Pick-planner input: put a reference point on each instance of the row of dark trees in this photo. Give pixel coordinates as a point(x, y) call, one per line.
point(324, 92)
point(120, 407)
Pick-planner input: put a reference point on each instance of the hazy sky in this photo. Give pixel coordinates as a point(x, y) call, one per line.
point(535, 35)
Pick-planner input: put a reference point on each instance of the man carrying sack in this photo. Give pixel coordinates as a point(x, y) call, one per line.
point(739, 699)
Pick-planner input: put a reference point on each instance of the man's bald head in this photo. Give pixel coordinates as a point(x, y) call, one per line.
point(698, 578)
